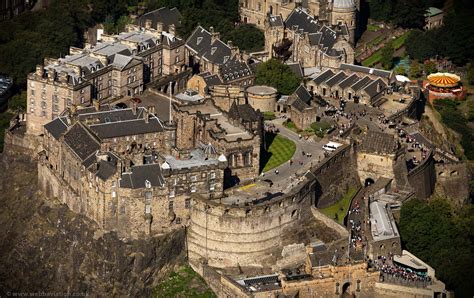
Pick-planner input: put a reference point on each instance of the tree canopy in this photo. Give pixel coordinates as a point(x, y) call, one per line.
point(404, 13)
point(454, 40)
point(443, 239)
point(278, 75)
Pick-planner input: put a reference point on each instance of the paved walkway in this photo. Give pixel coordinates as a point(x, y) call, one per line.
point(299, 160)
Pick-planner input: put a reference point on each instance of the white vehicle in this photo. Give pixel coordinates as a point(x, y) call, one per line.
point(331, 146)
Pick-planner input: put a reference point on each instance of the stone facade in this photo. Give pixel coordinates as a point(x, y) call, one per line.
point(118, 66)
point(131, 179)
point(334, 12)
point(206, 123)
point(262, 98)
point(302, 38)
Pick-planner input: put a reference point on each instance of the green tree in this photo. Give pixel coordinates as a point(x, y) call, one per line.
point(415, 69)
point(410, 13)
point(247, 37)
point(434, 233)
point(278, 75)
point(470, 74)
point(429, 67)
point(18, 102)
point(387, 55)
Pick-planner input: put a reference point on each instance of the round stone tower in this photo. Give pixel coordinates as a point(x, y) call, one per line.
point(344, 12)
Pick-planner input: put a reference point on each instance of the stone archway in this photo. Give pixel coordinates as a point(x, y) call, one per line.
point(369, 181)
point(346, 290)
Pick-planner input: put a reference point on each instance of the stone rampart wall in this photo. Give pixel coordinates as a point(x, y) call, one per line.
point(423, 178)
point(232, 236)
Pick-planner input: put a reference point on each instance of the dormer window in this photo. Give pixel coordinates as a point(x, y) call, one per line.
point(213, 50)
point(92, 68)
point(147, 184)
point(199, 39)
point(226, 58)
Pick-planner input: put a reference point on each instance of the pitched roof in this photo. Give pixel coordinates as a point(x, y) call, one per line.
point(336, 79)
point(361, 83)
point(367, 70)
point(81, 141)
point(210, 79)
point(323, 77)
point(375, 87)
point(378, 142)
point(348, 81)
point(297, 69)
point(275, 21)
point(299, 19)
point(299, 104)
point(57, 127)
point(302, 93)
point(244, 111)
point(164, 15)
point(139, 175)
point(234, 69)
point(127, 128)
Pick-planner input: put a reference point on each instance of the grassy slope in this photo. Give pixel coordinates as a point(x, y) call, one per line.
point(183, 283)
point(341, 207)
point(280, 151)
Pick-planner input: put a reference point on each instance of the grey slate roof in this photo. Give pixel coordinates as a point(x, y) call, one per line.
point(244, 111)
point(366, 70)
point(80, 141)
point(348, 81)
point(361, 83)
point(323, 77)
point(234, 69)
point(297, 69)
point(164, 15)
point(315, 38)
point(301, 20)
point(302, 93)
point(336, 79)
point(105, 169)
point(299, 104)
point(210, 79)
point(371, 89)
point(140, 174)
point(378, 142)
point(275, 21)
point(127, 128)
point(57, 127)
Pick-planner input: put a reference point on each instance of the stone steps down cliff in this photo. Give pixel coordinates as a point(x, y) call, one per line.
point(44, 247)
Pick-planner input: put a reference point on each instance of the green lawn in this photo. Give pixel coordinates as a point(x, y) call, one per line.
point(339, 210)
point(373, 28)
point(376, 41)
point(373, 59)
point(183, 283)
point(280, 150)
point(269, 115)
point(400, 41)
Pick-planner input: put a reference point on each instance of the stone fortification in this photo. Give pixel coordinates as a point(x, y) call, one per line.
point(247, 236)
point(254, 235)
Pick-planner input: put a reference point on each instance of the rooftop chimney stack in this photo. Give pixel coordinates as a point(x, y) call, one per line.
point(134, 108)
point(146, 116)
point(148, 24)
point(172, 29)
point(214, 35)
point(40, 70)
point(97, 105)
point(159, 27)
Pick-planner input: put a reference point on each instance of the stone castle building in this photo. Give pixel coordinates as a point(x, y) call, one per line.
point(337, 12)
point(305, 39)
point(118, 66)
point(133, 173)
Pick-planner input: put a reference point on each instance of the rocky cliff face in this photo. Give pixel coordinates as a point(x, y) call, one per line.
point(44, 247)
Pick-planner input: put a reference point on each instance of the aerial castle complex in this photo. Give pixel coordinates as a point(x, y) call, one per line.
point(144, 132)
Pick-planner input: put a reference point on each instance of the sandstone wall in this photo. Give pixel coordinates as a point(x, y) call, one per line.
point(423, 178)
point(231, 236)
point(452, 181)
point(334, 176)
